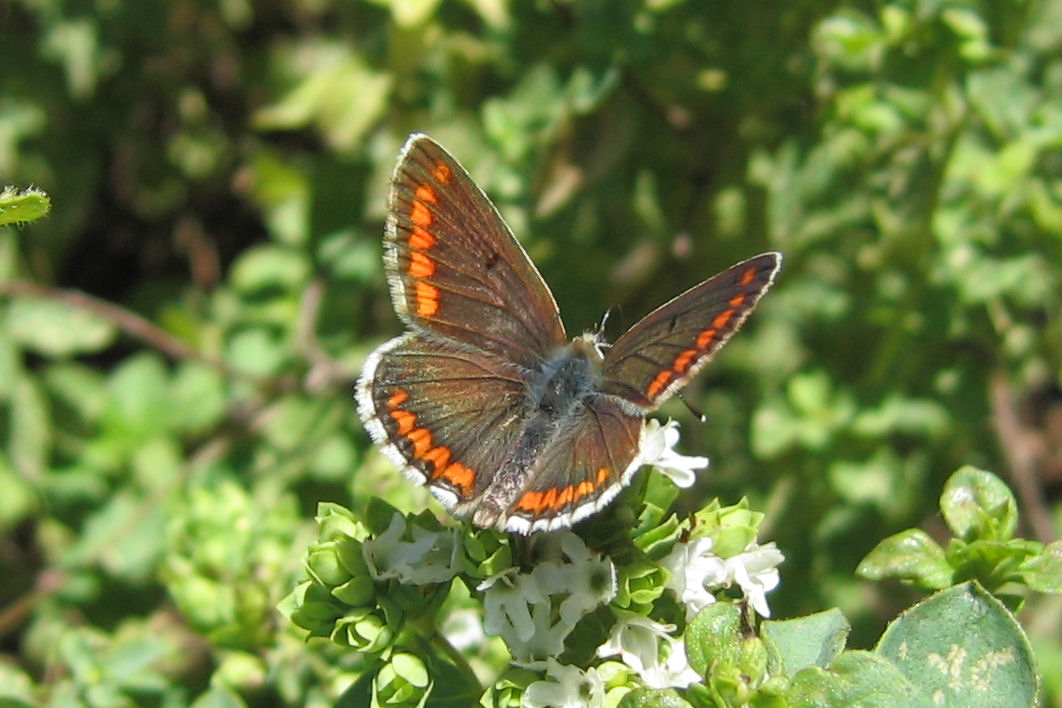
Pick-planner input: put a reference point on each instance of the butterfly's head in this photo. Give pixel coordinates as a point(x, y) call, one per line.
point(591, 344)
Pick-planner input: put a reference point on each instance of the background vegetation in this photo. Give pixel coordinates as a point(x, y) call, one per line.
point(178, 340)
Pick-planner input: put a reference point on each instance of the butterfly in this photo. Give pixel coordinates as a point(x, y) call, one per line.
point(483, 398)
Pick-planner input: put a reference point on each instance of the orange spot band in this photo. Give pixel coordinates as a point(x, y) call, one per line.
point(420, 266)
point(722, 318)
point(421, 238)
point(659, 383)
point(442, 172)
point(420, 214)
point(427, 299)
point(684, 360)
point(426, 194)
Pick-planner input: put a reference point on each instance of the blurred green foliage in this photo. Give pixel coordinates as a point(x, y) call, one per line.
point(179, 337)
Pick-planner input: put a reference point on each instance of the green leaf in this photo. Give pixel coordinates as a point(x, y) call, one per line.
point(20, 498)
point(909, 555)
point(30, 435)
point(978, 505)
point(219, 697)
point(713, 638)
point(338, 93)
point(813, 640)
point(991, 563)
point(649, 698)
point(856, 678)
point(1043, 573)
point(270, 266)
point(963, 648)
point(55, 329)
point(21, 207)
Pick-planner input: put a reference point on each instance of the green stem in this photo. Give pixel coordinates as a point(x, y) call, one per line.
point(443, 645)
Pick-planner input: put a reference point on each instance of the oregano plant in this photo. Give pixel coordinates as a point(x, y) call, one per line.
point(641, 607)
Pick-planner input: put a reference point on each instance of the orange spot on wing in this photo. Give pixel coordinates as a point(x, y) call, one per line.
point(458, 475)
point(441, 172)
point(722, 318)
point(406, 421)
point(420, 214)
point(397, 398)
point(659, 383)
point(438, 456)
point(704, 339)
point(748, 276)
point(426, 194)
point(602, 476)
point(582, 489)
point(420, 266)
point(737, 300)
point(427, 299)
point(421, 238)
point(530, 501)
point(421, 439)
point(549, 499)
point(684, 360)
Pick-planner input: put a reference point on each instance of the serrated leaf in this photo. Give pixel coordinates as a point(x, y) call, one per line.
point(813, 640)
point(908, 555)
point(21, 207)
point(962, 647)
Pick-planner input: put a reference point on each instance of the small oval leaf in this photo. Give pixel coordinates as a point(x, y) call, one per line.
point(962, 647)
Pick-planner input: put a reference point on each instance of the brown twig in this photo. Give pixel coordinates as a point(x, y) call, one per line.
point(324, 370)
point(1023, 450)
point(132, 324)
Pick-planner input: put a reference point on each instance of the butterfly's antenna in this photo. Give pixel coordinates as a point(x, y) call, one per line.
point(604, 320)
point(700, 416)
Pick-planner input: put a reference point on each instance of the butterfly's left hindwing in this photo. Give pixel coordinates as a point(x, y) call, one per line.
point(448, 415)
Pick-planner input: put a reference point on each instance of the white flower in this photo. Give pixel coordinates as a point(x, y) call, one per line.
point(695, 570)
point(756, 571)
point(658, 450)
point(431, 557)
point(568, 687)
point(534, 612)
point(648, 648)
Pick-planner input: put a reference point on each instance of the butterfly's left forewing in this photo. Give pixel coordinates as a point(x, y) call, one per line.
point(455, 269)
point(658, 355)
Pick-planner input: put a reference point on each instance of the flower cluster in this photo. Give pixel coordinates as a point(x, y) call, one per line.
point(582, 623)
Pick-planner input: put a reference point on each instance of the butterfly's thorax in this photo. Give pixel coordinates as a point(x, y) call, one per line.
point(573, 373)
